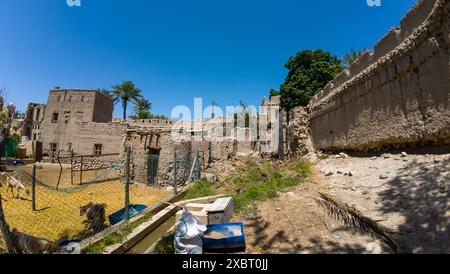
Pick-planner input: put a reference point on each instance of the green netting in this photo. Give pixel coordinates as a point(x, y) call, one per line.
point(10, 148)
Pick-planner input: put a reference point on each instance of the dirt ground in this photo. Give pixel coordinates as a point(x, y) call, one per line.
point(57, 216)
point(413, 201)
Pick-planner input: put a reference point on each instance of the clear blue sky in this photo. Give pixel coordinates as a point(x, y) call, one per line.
point(226, 50)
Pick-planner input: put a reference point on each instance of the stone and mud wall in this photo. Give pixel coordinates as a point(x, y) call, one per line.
point(397, 96)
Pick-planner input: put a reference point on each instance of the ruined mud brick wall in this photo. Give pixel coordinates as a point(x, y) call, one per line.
point(145, 122)
point(109, 162)
point(217, 143)
point(29, 126)
point(147, 141)
point(222, 149)
point(399, 95)
point(298, 134)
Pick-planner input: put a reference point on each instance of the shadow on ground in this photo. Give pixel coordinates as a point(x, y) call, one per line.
point(420, 193)
point(283, 243)
point(279, 242)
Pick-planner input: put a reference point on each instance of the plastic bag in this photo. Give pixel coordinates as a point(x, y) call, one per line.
point(187, 236)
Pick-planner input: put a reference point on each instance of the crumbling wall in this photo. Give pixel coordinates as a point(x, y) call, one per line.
point(159, 142)
point(298, 133)
point(399, 95)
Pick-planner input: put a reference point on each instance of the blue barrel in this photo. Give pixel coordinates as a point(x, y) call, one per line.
point(119, 216)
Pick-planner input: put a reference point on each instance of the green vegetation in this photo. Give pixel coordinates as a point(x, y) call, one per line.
point(141, 109)
point(254, 182)
point(350, 57)
point(201, 188)
point(116, 237)
point(249, 183)
point(165, 245)
point(125, 93)
point(274, 93)
point(308, 73)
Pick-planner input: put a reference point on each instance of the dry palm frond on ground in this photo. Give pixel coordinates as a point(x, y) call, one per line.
point(354, 219)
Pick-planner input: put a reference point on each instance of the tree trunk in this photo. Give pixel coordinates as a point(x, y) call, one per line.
point(124, 109)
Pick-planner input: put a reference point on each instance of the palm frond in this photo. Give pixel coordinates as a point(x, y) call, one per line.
point(351, 217)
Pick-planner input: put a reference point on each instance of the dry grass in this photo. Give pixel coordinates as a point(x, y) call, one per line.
point(50, 173)
point(57, 215)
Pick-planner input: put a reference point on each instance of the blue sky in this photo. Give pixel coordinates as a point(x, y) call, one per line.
point(175, 50)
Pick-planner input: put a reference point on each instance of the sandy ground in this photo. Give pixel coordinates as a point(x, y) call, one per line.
point(57, 216)
point(413, 201)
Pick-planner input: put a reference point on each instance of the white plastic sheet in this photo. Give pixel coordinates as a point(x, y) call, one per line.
point(187, 236)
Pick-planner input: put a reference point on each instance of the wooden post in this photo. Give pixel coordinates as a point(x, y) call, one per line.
point(175, 188)
point(71, 167)
point(33, 188)
point(127, 182)
point(81, 171)
point(60, 170)
point(197, 159)
point(5, 230)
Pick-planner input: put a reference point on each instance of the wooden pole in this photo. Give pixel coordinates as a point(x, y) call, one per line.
point(5, 230)
point(175, 189)
point(197, 159)
point(33, 188)
point(60, 170)
point(71, 167)
point(127, 182)
point(81, 171)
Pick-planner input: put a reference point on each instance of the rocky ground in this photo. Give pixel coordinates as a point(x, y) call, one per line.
point(407, 193)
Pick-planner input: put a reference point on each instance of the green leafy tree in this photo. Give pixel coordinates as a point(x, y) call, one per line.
point(125, 93)
point(350, 57)
point(274, 93)
point(308, 72)
point(141, 109)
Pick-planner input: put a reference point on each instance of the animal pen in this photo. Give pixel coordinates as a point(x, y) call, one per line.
point(58, 192)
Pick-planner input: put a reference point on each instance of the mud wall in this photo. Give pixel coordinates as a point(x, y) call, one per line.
point(399, 95)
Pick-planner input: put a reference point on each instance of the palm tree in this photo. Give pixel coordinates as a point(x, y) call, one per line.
point(351, 57)
point(141, 108)
point(126, 92)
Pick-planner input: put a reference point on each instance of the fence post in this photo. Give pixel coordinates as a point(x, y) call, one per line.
point(199, 174)
point(71, 167)
point(175, 188)
point(81, 171)
point(33, 188)
point(5, 230)
point(127, 182)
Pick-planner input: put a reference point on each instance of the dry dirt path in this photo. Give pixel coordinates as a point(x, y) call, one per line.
point(412, 199)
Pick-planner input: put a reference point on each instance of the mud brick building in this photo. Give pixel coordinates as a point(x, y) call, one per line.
point(74, 119)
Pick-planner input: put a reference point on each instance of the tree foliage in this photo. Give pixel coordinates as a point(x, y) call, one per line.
point(141, 109)
point(350, 57)
point(308, 72)
point(274, 93)
point(125, 93)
